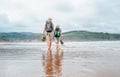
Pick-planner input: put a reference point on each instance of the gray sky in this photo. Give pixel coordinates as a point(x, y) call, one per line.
point(30, 15)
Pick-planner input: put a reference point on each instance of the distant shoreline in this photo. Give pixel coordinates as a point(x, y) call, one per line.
point(79, 36)
point(4, 43)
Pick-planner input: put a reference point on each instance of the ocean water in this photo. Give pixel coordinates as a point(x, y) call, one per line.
point(74, 59)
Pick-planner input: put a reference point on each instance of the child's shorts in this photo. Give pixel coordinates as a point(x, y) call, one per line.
point(57, 39)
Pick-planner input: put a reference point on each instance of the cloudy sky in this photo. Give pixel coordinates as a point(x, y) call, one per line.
point(30, 15)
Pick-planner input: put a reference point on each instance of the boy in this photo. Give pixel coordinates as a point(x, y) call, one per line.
point(58, 36)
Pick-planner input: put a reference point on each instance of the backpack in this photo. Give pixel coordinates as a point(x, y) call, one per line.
point(57, 32)
point(49, 26)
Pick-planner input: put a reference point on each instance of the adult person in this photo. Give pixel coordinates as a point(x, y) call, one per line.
point(48, 30)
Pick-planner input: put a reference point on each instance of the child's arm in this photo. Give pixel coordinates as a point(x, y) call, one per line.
point(60, 34)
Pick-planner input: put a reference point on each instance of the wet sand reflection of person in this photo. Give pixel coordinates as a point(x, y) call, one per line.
point(57, 62)
point(52, 64)
point(48, 64)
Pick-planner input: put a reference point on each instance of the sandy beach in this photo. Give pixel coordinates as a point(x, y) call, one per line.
point(75, 59)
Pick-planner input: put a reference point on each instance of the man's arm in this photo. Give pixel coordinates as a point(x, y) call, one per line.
point(53, 28)
point(44, 30)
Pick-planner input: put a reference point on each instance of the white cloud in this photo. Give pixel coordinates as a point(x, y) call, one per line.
point(30, 15)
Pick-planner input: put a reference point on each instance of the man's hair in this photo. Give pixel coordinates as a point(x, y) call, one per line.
point(50, 18)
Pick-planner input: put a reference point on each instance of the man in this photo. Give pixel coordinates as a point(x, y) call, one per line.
point(49, 29)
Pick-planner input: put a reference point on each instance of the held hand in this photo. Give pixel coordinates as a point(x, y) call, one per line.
point(43, 33)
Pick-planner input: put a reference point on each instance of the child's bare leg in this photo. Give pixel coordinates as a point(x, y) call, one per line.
point(57, 44)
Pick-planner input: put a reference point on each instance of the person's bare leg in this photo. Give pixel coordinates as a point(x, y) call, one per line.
point(50, 41)
point(57, 44)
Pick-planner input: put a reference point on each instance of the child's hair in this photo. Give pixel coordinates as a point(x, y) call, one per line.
point(57, 26)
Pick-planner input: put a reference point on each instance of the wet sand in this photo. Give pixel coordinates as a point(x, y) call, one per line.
point(2, 43)
point(76, 59)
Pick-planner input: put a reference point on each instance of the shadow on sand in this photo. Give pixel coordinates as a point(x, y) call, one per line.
point(52, 63)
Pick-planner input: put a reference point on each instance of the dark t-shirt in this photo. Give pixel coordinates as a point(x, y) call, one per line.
point(49, 26)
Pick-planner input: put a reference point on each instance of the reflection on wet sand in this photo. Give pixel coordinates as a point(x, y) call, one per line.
point(52, 63)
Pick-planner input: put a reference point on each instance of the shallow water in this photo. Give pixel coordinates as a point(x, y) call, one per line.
point(75, 59)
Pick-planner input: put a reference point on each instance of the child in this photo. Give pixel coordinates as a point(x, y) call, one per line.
point(58, 36)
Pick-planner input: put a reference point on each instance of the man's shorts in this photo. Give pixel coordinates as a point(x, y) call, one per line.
point(49, 35)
